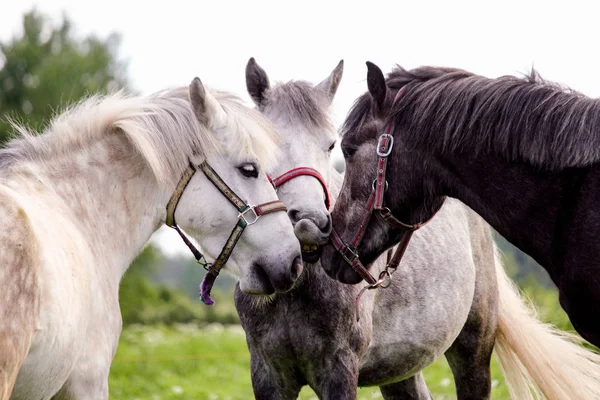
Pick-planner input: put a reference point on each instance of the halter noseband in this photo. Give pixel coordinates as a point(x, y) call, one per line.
point(306, 171)
point(349, 253)
point(248, 215)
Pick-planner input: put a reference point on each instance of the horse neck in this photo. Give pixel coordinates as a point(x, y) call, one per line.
point(522, 203)
point(109, 194)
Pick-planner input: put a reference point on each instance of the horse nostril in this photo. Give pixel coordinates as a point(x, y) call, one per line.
point(293, 214)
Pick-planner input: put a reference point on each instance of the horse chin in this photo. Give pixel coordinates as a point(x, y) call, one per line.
point(256, 282)
point(348, 276)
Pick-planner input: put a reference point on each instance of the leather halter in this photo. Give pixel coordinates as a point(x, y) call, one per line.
point(306, 171)
point(248, 215)
point(374, 205)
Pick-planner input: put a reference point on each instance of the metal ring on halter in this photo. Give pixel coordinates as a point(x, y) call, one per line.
point(242, 215)
point(384, 278)
point(385, 275)
point(375, 182)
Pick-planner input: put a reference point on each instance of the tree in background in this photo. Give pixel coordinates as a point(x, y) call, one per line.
point(47, 67)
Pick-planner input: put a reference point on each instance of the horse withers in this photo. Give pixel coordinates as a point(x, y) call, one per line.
point(79, 202)
point(450, 295)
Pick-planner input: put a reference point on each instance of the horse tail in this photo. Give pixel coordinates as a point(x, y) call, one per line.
point(537, 359)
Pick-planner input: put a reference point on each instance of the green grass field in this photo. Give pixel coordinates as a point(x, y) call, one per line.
point(212, 363)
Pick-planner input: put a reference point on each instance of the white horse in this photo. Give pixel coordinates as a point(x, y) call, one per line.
point(78, 203)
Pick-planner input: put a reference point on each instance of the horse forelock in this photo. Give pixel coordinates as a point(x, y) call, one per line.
point(300, 102)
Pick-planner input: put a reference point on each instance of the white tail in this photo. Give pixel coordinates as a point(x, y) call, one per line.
point(538, 360)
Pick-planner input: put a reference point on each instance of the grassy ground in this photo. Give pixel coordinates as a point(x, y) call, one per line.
point(185, 362)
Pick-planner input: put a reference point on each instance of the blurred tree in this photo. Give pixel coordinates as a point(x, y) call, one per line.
point(47, 67)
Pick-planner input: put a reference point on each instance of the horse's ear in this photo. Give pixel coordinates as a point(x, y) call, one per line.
point(376, 84)
point(207, 109)
point(331, 83)
point(257, 82)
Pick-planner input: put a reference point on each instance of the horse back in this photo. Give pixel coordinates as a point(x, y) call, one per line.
point(19, 289)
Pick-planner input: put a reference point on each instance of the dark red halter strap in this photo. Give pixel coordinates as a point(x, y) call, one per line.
point(303, 171)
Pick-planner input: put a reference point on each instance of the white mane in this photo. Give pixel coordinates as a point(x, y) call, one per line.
point(162, 127)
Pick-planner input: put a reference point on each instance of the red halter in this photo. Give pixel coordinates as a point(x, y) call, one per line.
point(375, 204)
point(296, 172)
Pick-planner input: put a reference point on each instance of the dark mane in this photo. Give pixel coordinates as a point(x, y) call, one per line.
point(521, 118)
point(300, 102)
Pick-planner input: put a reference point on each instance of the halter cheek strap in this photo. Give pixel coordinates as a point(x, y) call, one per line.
point(248, 215)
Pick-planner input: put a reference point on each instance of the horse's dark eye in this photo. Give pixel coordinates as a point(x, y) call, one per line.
point(249, 171)
point(331, 147)
point(348, 151)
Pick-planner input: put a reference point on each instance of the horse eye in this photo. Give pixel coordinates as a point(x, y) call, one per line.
point(331, 147)
point(348, 151)
point(249, 171)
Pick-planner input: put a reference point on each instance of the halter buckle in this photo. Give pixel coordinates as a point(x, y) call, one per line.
point(382, 151)
point(253, 217)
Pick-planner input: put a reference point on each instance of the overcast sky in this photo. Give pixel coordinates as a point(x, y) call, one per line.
point(171, 43)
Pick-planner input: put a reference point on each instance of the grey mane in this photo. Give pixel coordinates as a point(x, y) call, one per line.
point(525, 119)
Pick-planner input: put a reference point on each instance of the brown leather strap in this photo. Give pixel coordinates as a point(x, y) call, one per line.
point(229, 194)
point(174, 200)
point(270, 207)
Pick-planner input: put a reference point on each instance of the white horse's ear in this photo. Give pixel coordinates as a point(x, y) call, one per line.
point(207, 109)
point(257, 83)
point(331, 83)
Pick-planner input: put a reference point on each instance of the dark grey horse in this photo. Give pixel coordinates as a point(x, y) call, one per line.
point(449, 297)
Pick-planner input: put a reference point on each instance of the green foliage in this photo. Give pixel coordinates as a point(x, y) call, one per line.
point(47, 68)
point(145, 302)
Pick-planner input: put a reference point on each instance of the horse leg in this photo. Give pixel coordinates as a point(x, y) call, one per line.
point(469, 358)
point(336, 375)
point(470, 354)
point(269, 382)
point(89, 378)
point(334, 386)
point(413, 388)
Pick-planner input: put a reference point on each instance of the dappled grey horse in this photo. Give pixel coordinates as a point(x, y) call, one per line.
point(450, 296)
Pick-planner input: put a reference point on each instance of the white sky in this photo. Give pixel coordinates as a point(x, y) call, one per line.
point(169, 44)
